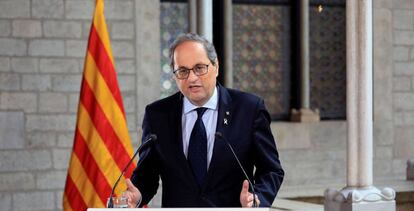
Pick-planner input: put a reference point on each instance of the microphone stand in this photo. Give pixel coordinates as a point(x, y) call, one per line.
point(151, 138)
point(220, 136)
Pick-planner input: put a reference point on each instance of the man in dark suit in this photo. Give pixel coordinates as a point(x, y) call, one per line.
point(196, 167)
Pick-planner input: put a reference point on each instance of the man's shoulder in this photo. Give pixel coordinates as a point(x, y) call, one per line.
point(166, 102)
point(243, 97)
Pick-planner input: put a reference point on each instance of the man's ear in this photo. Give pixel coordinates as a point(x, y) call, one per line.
point(217, 67)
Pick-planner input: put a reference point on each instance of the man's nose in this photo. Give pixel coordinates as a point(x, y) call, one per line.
point(192, 76)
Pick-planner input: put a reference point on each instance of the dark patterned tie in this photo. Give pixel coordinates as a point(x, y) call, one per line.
point(197, 148)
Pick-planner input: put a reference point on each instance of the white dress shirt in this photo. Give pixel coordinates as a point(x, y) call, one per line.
point(189, 117)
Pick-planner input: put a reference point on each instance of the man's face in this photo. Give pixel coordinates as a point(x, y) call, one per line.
point(198, 89)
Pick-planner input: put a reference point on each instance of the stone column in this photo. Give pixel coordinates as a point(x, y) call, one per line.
point(228, 43)
point(192, 16)
point(205, 19)
point(304, 114)
point(360, 194)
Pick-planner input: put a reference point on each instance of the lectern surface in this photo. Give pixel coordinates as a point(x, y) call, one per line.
point(184, 209)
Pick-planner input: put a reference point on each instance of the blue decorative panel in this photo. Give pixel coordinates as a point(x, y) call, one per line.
point(261, 54)
point(327, 61)
point(173, 21)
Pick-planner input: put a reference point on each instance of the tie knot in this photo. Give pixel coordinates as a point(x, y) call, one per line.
point(200, 111)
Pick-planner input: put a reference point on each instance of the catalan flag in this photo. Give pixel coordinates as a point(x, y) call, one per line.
point(102, 146)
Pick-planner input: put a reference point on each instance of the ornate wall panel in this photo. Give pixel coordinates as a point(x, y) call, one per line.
point(328, 61)
point(261, 54)
point(173, 21)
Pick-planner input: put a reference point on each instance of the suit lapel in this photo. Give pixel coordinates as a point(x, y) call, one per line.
point(225, 111)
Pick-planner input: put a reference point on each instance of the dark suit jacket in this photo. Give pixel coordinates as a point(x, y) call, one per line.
point(247, 130)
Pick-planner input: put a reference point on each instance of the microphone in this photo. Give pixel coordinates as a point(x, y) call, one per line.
point(149, 141)
point(220, 136)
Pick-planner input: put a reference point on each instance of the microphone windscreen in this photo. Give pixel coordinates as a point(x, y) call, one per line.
point(152, 136)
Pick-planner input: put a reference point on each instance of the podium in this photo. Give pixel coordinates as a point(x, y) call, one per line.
point(183, 209)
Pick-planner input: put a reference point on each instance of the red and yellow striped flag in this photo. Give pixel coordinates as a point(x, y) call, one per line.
point(102, 146)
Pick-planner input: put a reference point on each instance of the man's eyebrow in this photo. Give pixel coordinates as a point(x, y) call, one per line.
point(183, 67)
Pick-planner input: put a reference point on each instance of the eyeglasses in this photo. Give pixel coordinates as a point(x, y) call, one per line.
point(198, 70)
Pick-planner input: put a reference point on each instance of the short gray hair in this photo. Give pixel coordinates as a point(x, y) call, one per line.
point(208, 46)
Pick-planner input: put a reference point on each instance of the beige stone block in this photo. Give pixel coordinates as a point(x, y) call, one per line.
point(382, 167)
point(291, 135)
point(38, 82)
point(73, 103)
point(76, 48)
point(312, 155)
point(27, 28)
point(53, 102)
point(383, 132)
point(329, 135)
point(66, 83)
point(383, 72)
point(52, 122)
point(123, 49)
point(127, 83)
point(403, 37)
point(61, 158)
point(25, 64)
point(383, 152)
point(34, 201)
point(305, 115)
point(11, 130)
point(47, 8)
point(382, 4)
point(404, 143)
point(403, 19)
point(25, 160)
point(12, 47)
point(59, 65)
point(401, 83)
point(40, 140)
point(14, 9)
point(129, 103)
point(59, 195)
point(79, 9)
point(66, 140)
point(399, 167)
point(403, 101)
point(16, 181)
point(404, 118)
point(18, 101)
point(4, 64)
point(404, 68)
point(46, 47)
point(401, 53)
point(403, 4)
point(51, 180)
point(62, 29)
point(125, 66)
point(5, 201)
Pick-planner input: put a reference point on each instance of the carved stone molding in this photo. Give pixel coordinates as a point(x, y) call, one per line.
point(358, 195)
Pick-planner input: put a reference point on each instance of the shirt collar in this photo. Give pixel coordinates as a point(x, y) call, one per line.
point(210, 104)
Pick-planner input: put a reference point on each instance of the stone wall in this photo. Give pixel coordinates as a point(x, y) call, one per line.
point(403, 79)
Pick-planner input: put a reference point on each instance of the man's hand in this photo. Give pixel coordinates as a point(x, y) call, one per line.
point(133, 194)
point(246, 198)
